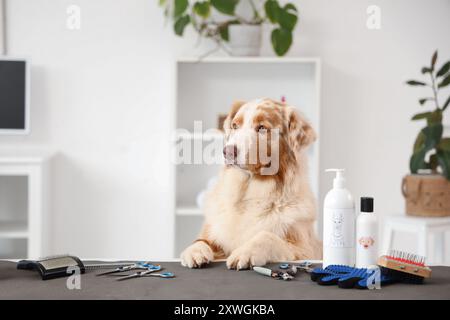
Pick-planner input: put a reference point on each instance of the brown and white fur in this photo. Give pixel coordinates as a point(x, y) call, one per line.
point(253, 219)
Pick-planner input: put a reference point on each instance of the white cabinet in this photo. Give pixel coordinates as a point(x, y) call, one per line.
point(208, 88)
point(24, 199)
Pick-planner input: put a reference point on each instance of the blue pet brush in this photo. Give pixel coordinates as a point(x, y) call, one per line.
point(330, 271)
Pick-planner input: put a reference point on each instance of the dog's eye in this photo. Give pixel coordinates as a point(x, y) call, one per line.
point(261, 129)
point(234, 126)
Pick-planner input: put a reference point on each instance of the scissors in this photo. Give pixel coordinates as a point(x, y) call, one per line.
point(306, 266)
point(147, 273)
point(136, 266)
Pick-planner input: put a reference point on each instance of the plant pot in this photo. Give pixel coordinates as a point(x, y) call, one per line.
point(245, 40)
point(426, 195)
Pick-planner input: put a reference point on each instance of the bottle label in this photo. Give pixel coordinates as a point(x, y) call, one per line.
point(339, 228)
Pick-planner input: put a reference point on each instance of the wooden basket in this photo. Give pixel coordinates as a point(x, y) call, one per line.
point(426, 195)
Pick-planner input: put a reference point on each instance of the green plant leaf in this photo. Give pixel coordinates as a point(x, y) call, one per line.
point(224, 33)
point(423, 100)
point(162, 2)
point(427, 139)
point(445, 105)
point(287, 18)
point(180, 7)
point(416, 83)
point(444, 162)
point(281, 40)
point(272, 9)
point(444, 69)
point(426, 70)
point(445, 82)
point(202, 8)
point(433, 134)
point(444, 144)
point(224, 29)
point(225, 6)
point(433, 162)
point(419, 143)
point(290, 6)
point(417, 161)
point(435, 117)
point(420, 116)
point(180, 24)
point(433, 59)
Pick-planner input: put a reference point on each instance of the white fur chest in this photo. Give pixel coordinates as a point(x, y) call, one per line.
point(236, 213)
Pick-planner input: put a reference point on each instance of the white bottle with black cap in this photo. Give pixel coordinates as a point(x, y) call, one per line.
point(366, 235)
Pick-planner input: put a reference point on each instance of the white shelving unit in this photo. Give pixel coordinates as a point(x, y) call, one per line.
point(208, 88)
point(24, 197)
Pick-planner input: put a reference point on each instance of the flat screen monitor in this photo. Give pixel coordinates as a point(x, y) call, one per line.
point(14, 92)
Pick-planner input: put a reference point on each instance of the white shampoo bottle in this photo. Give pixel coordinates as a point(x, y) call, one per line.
point(339, 224)
point(366, 235)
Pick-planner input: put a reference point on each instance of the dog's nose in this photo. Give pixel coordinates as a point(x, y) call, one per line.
point(230, 152)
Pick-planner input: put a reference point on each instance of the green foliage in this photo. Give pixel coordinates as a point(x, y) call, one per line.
point(225, 6)
point(202, 8)
point(416, 83)
point(199, 14)
point(445, 82)
point(272, 9)
point(180, 7)
point(180, 24)
point(429, 141)
point(286, 18)
point(281, 40)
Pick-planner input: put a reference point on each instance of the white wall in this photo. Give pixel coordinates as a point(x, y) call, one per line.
point(102, 96)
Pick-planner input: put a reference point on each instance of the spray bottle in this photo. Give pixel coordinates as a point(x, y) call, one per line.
point(339, 224)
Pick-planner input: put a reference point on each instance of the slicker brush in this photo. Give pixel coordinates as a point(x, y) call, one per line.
point(404, 267)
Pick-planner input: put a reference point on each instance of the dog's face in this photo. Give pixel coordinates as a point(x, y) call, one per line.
point(263, 136)
point(337, 219)
point(366, 242)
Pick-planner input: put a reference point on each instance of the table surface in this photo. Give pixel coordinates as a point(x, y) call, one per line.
point(212, 282)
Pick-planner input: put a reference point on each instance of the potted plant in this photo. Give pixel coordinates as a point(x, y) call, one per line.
point(219, 20)
point(429, 194)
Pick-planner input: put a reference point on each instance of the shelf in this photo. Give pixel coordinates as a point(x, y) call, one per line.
point(222, 80)
point(13, 230)
point(189, 211)
point(227, 59)
point(31, 155)
point(200, 136)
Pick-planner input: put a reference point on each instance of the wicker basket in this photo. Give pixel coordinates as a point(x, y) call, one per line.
point(426, 195)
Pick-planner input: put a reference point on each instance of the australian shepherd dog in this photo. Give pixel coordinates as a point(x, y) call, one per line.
point(262, 208)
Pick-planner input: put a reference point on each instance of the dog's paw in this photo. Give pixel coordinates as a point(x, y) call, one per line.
point(244, 258)
point(196, 255)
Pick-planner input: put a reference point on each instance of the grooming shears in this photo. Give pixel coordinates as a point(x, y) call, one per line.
point(305, 266)
point(136, 266)
point(148, 273)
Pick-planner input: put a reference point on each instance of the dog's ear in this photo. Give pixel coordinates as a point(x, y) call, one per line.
point(300, 132)
point(234, 109)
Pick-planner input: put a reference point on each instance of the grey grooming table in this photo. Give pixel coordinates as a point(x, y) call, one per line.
point(212, 282)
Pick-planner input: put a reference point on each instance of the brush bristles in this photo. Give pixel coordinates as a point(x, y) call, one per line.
point(405, 257)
